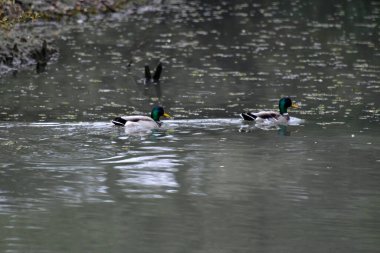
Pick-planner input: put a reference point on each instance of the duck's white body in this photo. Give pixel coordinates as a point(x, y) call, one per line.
point(272, 117)
point(143, 122)
point(268, 117)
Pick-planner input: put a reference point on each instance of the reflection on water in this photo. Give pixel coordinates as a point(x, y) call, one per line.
point(147, 172)
point(206, 181)
point(188, 177)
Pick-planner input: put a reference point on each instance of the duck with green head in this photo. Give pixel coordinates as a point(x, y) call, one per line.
point(272, 117)
point(143, 122)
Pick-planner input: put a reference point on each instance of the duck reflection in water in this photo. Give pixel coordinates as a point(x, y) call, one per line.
point(282, 130)
point(154, 92)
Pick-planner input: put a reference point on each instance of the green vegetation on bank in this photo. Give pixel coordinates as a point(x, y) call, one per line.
point(15, 11)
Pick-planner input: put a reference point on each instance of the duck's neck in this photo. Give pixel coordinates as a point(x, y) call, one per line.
point(282, 106)
point(155, 116)
point(283, 110)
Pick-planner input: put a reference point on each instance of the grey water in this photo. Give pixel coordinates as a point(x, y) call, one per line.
point(70, 181)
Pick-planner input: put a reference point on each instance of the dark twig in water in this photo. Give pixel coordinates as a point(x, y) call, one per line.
point(148, 76)
point(42, 57)
point(109, 7)
point(156, 75)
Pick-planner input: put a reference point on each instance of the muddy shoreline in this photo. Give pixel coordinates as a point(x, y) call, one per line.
point(29, 29)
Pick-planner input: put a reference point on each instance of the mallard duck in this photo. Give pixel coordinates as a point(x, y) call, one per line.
point(272, 117)
point(143, 122)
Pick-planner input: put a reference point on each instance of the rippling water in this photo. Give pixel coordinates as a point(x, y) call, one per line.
point(70, 181)
point(190, 184)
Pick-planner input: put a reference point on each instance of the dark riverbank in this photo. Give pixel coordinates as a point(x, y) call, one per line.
point(23, 41)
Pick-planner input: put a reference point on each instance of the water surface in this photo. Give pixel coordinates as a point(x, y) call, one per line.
point(206, 181)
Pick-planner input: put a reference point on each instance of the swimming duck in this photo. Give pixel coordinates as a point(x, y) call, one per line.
point(143, 122)
point(272, 117)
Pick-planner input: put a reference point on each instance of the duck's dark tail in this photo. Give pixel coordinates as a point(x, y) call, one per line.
point(119, 121)
point(248, 116)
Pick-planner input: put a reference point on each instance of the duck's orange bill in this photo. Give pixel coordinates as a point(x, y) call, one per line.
point(295, 105)
point(167, 115)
